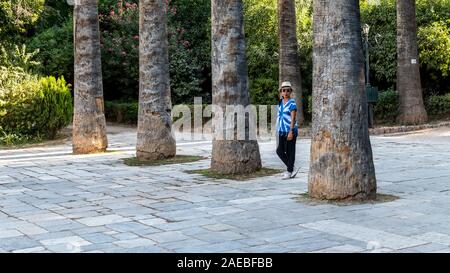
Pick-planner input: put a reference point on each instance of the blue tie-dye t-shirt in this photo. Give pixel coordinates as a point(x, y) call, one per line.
point(284, 117)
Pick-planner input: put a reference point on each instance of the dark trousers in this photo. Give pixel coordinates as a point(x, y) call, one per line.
point(286, 151)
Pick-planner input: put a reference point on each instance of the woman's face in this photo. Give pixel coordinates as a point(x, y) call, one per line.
point(286, 92)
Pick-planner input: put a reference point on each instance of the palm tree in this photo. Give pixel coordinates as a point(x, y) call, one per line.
point(89, 125)
point(154, 133)
point(230, 87)
point(289, 61)
point(409, 88)
point(341, 164)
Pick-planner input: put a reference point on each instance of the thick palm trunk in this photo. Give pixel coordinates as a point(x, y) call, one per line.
point(409, 88)
point(89, 125)
point(289, 61)
point(154, 136)
point(230, 87)
point(341, 165)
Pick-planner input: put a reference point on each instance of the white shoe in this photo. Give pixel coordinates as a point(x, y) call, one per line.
point(287, 175)
point(295, 173)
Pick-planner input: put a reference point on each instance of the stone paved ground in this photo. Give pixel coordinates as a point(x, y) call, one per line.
point(53, 201)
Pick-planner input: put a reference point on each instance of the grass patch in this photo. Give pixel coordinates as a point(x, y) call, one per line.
point(20, 142)
point(381, 198)
point(240, 177)
point(133, 161)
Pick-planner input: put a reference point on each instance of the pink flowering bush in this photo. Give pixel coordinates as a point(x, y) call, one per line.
point(119, 25)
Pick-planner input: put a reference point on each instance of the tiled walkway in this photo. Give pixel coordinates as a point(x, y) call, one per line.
point(53, 201)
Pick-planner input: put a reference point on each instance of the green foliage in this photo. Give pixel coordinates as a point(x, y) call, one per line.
point(189, 30)
point(17, 17)
point(119, 25)
point(18, 57)
point(122, 112)
point(56, 105)
point(33, 106)
point(261, 29)
point(10, 139)
point(54, 13)
point(438, 105)
point(189, 48)
point(386, 109)
point(260, 22)
point(432, 21)
point(264, 91)
point(382, 39)
point(55, 47)
point(305, 42)
point(434, 46)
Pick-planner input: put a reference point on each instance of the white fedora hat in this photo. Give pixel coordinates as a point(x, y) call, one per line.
point(286, 84)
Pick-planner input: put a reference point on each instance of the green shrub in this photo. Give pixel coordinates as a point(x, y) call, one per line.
point(17, 18)
point(33, 106)
point(55, 47)
point(18, 57)
point(264, 91)
point(122, 112)
point(386, 109)
point(188, 49)
point(56, 105)
point(438, 105)
point(9, 139)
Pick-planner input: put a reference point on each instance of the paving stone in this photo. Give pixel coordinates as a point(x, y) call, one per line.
point(18, 242)
point(95, 203)
point(139, 242)
point(9, 233)
point(169, 236)
point(102, 220)
point(356, 232)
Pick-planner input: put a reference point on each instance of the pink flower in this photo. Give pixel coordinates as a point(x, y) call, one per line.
point(111, 13)
point(127, 5)
point(136, 37)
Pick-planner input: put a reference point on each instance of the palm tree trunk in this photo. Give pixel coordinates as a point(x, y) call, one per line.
point(289, 61)
point(341, 165)
point(154, 135)
point(230, 87)
point(89, 124)
point(412, 110)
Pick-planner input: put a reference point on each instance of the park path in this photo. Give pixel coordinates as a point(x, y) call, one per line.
point(53, 201)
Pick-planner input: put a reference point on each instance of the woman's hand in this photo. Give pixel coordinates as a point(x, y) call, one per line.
point(290, 135)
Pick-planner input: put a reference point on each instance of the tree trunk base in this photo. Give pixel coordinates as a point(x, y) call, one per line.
point(317, 192)
point(413, 118)
point(89, 143)
point(157, 151)
point(235, 156)
point(340, 170)
point(88, 150)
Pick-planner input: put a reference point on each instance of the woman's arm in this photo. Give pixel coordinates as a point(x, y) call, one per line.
point(291, 132)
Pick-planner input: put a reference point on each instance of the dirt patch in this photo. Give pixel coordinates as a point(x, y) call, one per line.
point(178, 159)
point(239, 177)
point(381, 198)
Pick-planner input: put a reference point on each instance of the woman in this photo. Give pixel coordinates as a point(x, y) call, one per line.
point(287, 129)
